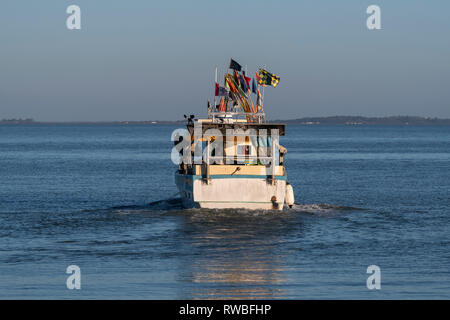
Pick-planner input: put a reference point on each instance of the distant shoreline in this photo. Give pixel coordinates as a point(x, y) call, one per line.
point(359, 120)
point(333, 120)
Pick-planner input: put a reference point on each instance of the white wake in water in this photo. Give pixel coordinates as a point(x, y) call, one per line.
point(321, 208)
point(175, 204)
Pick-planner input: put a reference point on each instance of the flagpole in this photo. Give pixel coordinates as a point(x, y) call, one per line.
point(262, 102)
point(225, 100)
point(257, 91)
point(215, 85)
point(228, 72)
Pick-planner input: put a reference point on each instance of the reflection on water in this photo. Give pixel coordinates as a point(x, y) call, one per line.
point(242, 278)
point(237, 256)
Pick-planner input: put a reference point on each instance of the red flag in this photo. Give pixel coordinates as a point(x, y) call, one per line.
point(222, 105)
point(221, 91)
point(247, 79)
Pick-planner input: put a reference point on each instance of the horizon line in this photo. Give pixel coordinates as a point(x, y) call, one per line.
point(32, 120)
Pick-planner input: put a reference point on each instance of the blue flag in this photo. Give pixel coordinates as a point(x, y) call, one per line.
point(243, 83)
point(253, 85)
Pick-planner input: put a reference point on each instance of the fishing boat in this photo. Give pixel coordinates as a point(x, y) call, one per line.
point(233, 159)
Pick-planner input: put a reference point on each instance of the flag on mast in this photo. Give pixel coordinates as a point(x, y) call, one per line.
point(222, 105)
point(253, 85)
point(258, 99)
point(243, 83)
point(221, 91)
point(231, 85)
point(247, 79)
point(234, 65)
point(267, 78)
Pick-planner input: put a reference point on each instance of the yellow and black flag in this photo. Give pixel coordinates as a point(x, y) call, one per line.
point(265, 78)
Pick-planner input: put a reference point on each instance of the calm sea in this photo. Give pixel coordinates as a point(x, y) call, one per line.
point(103, 197)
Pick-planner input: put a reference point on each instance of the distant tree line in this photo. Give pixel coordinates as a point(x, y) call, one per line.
point(359, 120)
point(19, 120)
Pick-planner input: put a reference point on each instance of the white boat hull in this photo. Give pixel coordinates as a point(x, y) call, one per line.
point(252, 192)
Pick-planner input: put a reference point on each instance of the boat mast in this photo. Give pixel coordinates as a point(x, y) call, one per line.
point(215, 85)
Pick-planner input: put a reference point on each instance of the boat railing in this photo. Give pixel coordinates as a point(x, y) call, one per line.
point(259, 117)
point(225, 113)
point(239, 158)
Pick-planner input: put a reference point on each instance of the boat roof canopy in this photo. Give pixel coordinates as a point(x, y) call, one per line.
point(240, 125)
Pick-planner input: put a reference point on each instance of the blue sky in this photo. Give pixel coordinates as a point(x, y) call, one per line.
point(141, 60)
